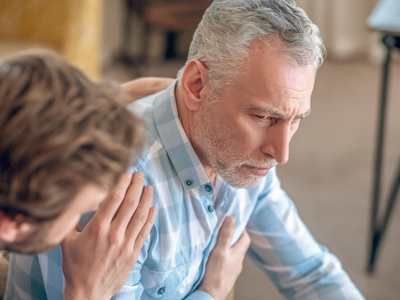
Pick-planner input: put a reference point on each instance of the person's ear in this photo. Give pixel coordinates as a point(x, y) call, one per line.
point(194, 84)
point(13, 227)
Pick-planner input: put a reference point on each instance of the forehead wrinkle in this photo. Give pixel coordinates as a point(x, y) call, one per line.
point(293, 94)
point(277, 114)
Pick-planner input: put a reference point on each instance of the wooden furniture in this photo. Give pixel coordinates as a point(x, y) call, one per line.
point(386, 19)
point(172, 16)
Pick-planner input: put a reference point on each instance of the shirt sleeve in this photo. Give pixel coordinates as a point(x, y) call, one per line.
point(24, 280)
point(284, 248)
point(40, 277)
point(199, 295)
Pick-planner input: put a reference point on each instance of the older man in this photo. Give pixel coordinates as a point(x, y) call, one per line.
point(215, 137)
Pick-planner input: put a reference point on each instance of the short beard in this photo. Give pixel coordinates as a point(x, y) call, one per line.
point(216, 151)
point(231, 174)
point(35, 242)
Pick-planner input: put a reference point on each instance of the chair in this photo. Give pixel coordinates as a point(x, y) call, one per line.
point(384, 18)
point(172, 16)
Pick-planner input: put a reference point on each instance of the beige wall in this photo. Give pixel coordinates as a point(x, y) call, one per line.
point(343, 27)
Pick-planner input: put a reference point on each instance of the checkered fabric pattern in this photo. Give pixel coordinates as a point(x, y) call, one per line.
point(173, 259)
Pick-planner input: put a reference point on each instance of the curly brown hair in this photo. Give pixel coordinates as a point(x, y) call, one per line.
point(59, 131)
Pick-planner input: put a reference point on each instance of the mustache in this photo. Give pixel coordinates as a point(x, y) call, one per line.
point(262, 165)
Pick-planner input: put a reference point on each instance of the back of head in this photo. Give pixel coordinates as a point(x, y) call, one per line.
point(230, 27)
point(59, 131)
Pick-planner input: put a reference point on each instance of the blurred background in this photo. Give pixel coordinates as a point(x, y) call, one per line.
point(331, 169)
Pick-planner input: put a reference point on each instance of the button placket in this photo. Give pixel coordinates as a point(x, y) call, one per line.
point(208, 188)
point(209, 210)
point(161, 290)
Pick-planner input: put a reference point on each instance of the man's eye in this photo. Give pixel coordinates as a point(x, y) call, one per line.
point(263, 118)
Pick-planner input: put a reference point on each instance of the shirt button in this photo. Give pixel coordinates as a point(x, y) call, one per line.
point(211, 208)
point(189, 182)
point(161, 290)
point(208, 188)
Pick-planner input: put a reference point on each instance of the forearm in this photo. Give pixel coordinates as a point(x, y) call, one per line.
point(283, 247)
point(80, 294)
point(126, 292)
point(320, 277)
point(146, 86)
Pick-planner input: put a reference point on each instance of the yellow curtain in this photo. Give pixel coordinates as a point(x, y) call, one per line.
point(82, 42)
point(73, 28)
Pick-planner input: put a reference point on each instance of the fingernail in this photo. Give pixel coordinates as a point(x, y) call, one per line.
point(154, 211)
point(149, 189)
point(140, 175)
point(128, 174)
point(229, 221)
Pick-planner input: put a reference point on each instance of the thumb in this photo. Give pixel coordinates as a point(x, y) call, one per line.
point(243, 243)
point(70, 238)
point(226, 233)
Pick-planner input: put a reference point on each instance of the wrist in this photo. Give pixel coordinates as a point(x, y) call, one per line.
point(80, 293)
point(211, 291)
point(70, 294)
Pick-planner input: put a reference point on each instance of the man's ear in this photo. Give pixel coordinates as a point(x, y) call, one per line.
point(194, 84)
point(13, 227)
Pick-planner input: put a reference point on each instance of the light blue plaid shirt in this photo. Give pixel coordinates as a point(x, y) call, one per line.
point(172, 261)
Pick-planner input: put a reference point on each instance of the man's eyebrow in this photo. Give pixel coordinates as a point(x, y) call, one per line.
point(277, 115)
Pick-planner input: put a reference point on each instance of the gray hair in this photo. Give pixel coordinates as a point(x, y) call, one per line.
point(229, 27)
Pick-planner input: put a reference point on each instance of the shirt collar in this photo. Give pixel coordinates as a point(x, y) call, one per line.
point(181, 153)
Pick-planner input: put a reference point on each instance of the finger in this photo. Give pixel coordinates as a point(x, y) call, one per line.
point(242, 244)
point(226, 233)
point(108, 209)
point(130, 203)
point(141, 214)
point(144, 233)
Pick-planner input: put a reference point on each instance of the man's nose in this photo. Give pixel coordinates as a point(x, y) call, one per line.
point(277, 142)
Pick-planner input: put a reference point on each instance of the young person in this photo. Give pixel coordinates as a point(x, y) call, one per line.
point(65, 145)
